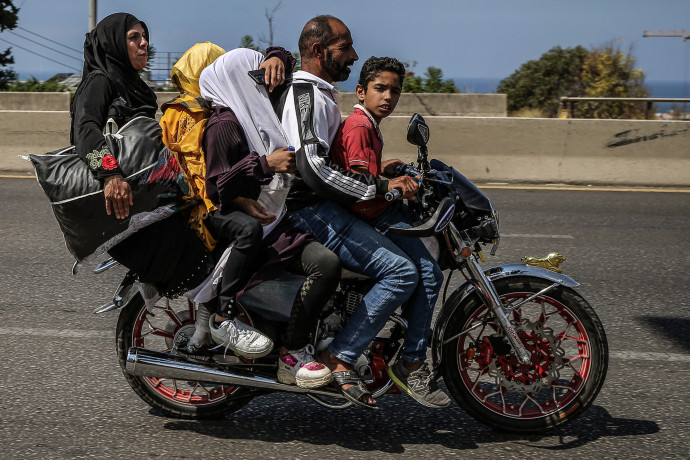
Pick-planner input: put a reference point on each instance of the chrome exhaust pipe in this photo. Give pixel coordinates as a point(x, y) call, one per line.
point(151, 363)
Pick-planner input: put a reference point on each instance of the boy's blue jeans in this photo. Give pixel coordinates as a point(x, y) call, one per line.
point(363, 250)
point(420, 306)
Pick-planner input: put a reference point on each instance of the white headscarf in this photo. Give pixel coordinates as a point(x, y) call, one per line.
point(226, 83)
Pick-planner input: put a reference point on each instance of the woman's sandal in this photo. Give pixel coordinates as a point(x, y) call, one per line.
point(355, 392)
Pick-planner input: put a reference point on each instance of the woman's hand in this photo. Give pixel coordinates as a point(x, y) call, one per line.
point(282, 161)
point(118, 196)
point(254, 209)
point(275, 72)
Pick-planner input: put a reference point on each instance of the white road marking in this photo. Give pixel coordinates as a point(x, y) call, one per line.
point(93, 334)
point(649, 356)
point(62, 333)
point(536, 235)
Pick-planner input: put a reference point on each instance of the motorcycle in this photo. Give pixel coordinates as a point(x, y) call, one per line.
point(516, 346)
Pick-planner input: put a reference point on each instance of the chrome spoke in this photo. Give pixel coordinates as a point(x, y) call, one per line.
point(158, 332)
point(529, 398)
point(173, 316)
point(555, 338)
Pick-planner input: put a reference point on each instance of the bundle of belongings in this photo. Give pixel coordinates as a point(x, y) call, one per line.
point(155, 239)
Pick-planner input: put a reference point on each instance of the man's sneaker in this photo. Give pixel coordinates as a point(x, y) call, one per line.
point(419, 384)
point(241, 338)
point(299, 367)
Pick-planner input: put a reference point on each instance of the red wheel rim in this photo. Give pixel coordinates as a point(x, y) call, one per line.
point(157, 332)
point(561, 359)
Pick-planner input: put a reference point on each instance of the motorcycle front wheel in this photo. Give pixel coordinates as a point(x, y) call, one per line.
point(156, 330)
point(569, 357)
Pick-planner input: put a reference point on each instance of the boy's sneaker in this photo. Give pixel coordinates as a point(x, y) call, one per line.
point(241, 338)
point(419, 384)
point(299, 367)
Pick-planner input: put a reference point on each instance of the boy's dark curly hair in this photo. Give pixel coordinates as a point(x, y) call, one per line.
point(374, 66)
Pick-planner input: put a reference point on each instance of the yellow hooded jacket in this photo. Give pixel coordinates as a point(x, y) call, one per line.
point(183, 122)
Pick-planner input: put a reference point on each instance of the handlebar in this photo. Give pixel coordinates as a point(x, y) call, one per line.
point(393, 195)
point(402, 169)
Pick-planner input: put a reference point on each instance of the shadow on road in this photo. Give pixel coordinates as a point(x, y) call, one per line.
point(397, 425)
point(676, 329)
point(594, 424)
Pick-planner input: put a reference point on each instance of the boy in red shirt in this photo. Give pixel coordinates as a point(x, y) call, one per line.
point(358, 146)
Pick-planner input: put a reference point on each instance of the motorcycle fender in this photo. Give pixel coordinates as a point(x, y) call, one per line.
point(510, 270)
point(494, 273)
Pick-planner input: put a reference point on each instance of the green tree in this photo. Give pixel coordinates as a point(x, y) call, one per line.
point(434, 80)
point(600, 72)
point(432, 83)
point(8, 21)
point(33, 85)
point(412, 83)
point(152, 56)
point(448, 86)
point(609, 72)
point(539, 84)
point(298, 61)
point(248, 42)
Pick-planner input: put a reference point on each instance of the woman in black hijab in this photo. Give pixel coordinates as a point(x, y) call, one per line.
point(114, 53)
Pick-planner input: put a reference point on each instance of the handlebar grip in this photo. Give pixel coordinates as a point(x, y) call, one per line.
point(393, 195)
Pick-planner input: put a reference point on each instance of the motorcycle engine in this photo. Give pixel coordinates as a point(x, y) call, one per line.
point(350, 294)
point(343, 305)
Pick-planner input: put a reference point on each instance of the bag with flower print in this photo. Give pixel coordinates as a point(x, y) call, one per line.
point(77, 198)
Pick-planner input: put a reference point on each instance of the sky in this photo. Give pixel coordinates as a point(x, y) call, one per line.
point(466, 39)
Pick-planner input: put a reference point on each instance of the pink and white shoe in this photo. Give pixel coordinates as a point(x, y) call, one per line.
point(299, 367)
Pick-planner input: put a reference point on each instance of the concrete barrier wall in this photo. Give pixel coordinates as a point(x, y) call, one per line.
point(651, 153)
point(625, 152)
point(470, 105)
point(477, 105)
point(30, 132)
point(10, 100)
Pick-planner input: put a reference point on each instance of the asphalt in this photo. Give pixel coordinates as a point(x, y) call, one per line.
point(64, 395)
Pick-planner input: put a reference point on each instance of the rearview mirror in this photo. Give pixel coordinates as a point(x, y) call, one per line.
point(417, 131)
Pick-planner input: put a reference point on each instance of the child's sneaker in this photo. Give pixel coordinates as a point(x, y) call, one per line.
point(241, 338)
point(419, 384)
point(299, 367)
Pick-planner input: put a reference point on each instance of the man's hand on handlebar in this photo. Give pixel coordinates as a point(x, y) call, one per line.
point(118, 196)
point(406, 184)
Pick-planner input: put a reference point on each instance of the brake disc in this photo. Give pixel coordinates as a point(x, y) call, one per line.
point(544, 368)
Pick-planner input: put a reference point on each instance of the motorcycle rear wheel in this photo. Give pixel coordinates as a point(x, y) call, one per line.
point(173, 398)
point(569, 358)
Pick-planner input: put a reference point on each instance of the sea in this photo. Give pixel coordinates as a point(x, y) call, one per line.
point(480, 85)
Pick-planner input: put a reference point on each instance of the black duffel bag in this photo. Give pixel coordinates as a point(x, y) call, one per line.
point(77, 199)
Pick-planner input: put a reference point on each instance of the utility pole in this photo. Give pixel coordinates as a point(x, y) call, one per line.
point(93, 6)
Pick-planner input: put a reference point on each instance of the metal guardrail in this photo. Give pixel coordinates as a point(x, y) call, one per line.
point(568, 103)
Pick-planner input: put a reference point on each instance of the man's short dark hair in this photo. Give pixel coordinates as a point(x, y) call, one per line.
point(374, 66)
point(317, 30)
